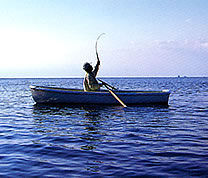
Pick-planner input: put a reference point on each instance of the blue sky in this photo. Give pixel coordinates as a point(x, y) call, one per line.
point(54, 38)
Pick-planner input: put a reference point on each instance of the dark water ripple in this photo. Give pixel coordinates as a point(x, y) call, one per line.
point(99, 141)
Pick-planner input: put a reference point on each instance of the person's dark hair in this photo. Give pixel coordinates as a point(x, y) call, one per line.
point(87, 67)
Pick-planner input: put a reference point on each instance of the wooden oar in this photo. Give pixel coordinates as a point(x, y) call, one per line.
point(115, 96)
point(104, 83)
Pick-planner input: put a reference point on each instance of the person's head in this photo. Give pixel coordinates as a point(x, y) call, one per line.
point(87, 67)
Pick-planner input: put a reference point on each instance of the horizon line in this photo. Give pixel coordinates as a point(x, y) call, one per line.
point(45, 77)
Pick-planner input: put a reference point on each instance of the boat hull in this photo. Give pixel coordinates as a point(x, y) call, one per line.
point(53, 95)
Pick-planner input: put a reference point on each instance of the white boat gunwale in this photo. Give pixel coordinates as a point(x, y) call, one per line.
point(100, 92)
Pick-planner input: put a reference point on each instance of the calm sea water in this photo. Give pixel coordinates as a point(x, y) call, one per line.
point(99, 141)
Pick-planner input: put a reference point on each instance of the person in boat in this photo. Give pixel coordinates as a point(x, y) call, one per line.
point(90, 83)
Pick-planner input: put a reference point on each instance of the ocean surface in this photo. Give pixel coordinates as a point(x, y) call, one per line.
point(100, 141)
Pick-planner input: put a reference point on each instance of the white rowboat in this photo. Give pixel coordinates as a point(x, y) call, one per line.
point(53, 95)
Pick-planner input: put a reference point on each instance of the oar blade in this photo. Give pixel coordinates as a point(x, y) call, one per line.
point(117, 98)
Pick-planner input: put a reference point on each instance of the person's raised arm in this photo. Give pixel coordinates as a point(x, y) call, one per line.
point(96, 68)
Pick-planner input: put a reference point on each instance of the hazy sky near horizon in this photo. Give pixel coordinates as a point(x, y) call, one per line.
point(40, 38)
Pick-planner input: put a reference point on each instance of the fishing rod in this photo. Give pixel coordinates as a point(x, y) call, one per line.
point(96, 45)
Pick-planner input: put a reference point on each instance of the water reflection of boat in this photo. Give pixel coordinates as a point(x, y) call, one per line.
point(79, 123)
point(54, 95)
